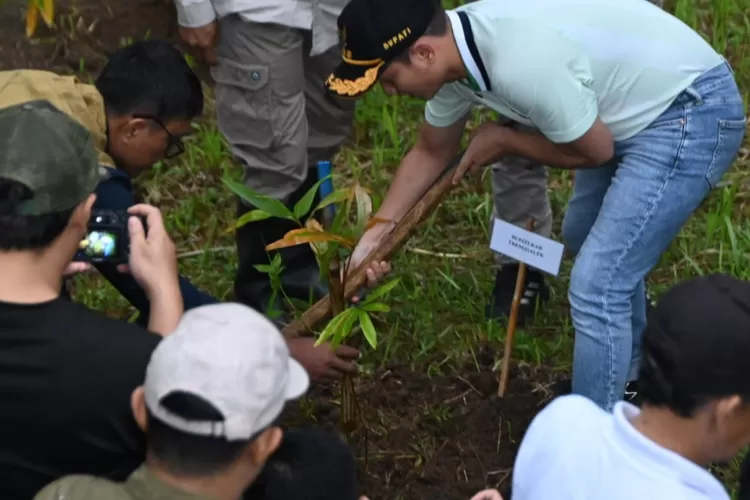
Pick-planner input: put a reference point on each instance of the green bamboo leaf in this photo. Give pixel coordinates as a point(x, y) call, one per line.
point(273, 207)
point(335, 325)
point(336, 197)
point(345, 329)
point(263, 268)
point(330, 328)
point(368, 329)
point(341, 218)
point(376, 307)
point(251, 216)
point(381, 291)
point(302, 207)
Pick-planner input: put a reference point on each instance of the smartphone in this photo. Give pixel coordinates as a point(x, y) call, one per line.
point(107, 238)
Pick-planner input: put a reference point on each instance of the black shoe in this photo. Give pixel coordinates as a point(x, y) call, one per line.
point(650, 302)
point(300, 278)
point(631, 393)
point(535, 293)
point(562, 387)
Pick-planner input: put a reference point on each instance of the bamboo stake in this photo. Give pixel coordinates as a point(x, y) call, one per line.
point(321, 310)
point(512, 321)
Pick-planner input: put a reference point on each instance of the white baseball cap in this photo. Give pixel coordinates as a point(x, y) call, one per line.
point(234, 358)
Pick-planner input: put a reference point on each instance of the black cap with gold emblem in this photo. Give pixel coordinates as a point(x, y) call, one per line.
point(373, 33)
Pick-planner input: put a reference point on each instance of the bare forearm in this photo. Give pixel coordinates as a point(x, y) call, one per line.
point(166, 308)
point(417, 172)
point(421, 167)
point(534, 146)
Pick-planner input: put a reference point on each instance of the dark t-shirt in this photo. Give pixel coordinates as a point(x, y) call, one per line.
point(66, 377)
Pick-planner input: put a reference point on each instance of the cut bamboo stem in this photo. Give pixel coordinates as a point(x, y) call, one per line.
point(321, 310)
point(512, 322)
point(335, 287)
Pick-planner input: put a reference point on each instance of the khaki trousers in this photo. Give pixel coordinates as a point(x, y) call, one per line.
point(272, 106)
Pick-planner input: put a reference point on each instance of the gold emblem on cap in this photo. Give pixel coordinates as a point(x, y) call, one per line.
point(364, 82)
point(356, 86)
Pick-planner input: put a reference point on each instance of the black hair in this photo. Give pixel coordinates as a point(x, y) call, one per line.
point(26, 232)
point(150, 78)
point(437, 27)
point(696, 344)
point(188, 455)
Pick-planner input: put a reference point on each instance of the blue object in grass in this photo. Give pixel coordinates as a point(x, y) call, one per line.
point(326, 188)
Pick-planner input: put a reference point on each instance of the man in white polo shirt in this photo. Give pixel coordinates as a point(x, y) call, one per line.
point(694, 383)
point(638, 103)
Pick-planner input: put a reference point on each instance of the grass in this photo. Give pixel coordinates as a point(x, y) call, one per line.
point(437, 322)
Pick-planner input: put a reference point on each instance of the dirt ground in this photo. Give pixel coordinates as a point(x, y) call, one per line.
point(86, 32)
point(427, 437)
point(435, 438)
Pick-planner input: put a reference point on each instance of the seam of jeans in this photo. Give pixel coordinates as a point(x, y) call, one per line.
point(720, 140)
point(702, 89)
point(638, 234)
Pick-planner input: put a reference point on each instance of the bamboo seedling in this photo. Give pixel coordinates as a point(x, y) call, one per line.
point(331, 246)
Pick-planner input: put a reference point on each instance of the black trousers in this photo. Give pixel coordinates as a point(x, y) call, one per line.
point(300, 277)
point(310, 464)
point(744, 490)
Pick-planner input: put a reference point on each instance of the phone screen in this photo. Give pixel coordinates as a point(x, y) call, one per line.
point(99, 244)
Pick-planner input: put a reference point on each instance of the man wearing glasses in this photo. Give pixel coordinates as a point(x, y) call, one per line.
point(138, 112)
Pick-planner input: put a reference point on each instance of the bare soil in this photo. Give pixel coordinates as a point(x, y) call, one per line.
point(85, 32)
point(443, 437)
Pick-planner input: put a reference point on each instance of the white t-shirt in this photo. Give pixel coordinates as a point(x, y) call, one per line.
point(574, 450)
point(557, 65)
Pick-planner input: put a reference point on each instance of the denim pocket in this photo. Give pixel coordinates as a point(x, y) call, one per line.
point(728, 142)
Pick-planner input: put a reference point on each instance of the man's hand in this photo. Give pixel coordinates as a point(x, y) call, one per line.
point(322, 362)
point(369, 241)
point(487, 495)
point(376, 271)
point(485, 146)
point(366, 244)
point(77, 268)
point(153, 261)
point(202, 38)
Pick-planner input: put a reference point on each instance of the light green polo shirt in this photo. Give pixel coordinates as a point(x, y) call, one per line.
point(557, 65)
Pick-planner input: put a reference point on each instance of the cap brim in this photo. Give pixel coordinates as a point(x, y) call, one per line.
point(351, 81)
point(299, 381)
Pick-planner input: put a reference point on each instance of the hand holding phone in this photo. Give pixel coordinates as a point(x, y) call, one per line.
point(152, 258)
point(153, 264)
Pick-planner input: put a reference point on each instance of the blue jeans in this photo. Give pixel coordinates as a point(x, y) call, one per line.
point(624, 215)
